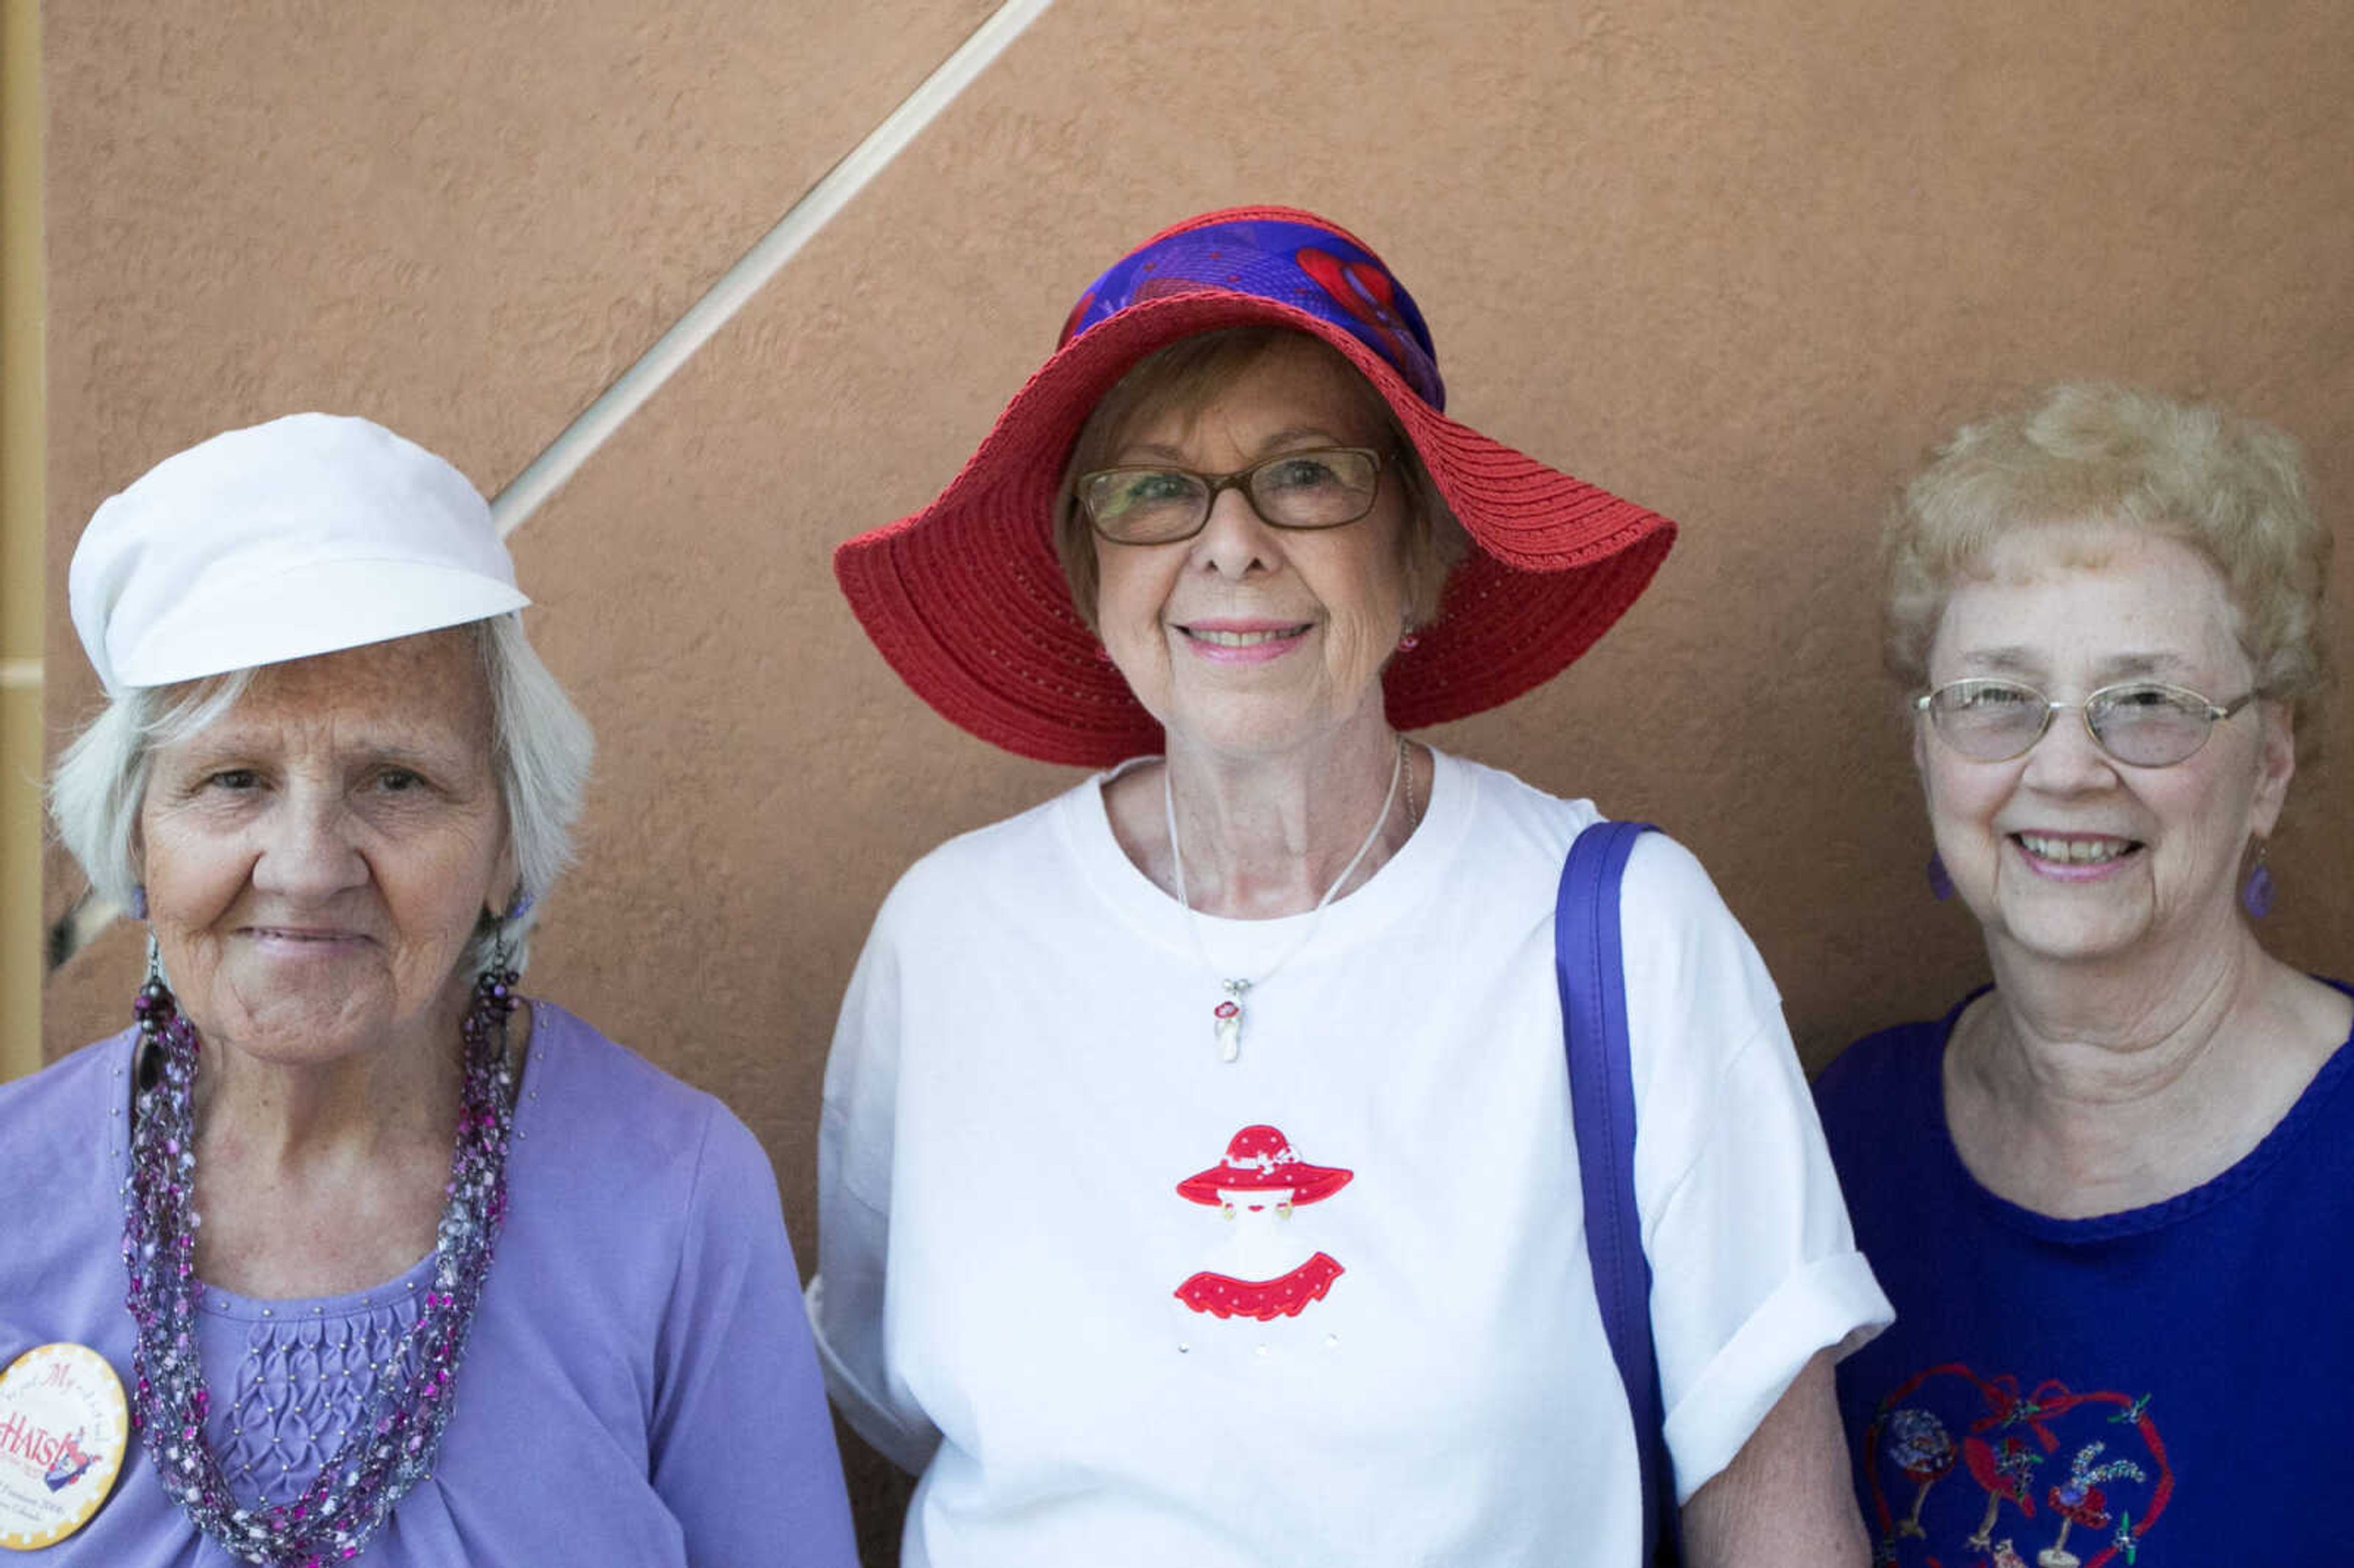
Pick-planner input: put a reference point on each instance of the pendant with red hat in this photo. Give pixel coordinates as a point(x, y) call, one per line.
point(1227, 1018)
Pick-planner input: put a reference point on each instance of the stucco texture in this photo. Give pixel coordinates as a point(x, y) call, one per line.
point(1742, 262)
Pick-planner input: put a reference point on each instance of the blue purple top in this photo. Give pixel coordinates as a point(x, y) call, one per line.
point(639, 1384)
point(2157, 1386)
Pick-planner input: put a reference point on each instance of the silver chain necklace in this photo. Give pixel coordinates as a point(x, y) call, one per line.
point(1227, 1016)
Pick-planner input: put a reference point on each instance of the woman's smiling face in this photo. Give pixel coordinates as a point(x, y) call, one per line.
point(1247, 638)
point(2064, 852)
point(316, 859)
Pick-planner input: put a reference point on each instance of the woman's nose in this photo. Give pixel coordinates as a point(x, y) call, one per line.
point(2065, 758)
point(307, 850)
point(1234, 541)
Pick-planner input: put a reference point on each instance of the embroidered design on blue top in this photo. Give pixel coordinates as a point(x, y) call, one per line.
point(2077, 1480)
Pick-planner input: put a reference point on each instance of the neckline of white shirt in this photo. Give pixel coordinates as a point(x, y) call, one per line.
point(1396, 889)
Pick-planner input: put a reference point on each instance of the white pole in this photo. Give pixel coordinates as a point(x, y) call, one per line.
point(736, 286)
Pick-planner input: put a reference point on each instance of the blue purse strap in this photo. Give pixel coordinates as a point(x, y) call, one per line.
point(1588, 962)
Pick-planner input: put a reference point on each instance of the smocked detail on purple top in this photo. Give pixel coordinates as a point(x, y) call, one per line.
point(298, 1374)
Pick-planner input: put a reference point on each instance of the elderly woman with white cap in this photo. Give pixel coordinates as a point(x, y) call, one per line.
point(1198, 1180)
point(418, 1271)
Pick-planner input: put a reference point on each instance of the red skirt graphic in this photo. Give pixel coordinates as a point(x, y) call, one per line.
point(1222, 1296)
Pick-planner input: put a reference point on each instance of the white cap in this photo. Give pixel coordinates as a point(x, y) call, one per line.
point(305, 535)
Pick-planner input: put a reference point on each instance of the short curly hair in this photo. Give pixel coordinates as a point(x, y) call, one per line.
point(2231, 488)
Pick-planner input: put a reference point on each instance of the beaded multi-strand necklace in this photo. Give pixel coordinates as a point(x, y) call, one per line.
point(392, 1446)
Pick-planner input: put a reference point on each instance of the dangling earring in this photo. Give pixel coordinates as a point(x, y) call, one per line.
point(1941, 880)
point(485, 1025)
point(2256, 892)
point(153, 1007)
point(503, 944)
point(139, 901)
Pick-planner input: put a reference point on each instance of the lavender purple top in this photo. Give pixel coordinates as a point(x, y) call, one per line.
point(639, 1385)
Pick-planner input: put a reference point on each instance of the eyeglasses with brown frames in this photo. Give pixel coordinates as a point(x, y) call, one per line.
point(1321, 487)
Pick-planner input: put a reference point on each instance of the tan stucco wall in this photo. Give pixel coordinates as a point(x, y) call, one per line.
point(1742, 261)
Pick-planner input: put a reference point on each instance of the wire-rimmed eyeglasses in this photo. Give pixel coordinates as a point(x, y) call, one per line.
point(2144, 723)
point(1325, 487)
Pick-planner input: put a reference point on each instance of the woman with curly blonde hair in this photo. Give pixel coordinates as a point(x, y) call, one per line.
point(2112, 1194)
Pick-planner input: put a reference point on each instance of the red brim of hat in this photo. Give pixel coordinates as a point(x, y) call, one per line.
point(967, 601)
point(1308, 1184)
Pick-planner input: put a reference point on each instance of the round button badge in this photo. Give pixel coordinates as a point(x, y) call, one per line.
point(63, 1424)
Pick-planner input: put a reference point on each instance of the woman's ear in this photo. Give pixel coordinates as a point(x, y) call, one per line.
point(506, 884)
point(2276, 765)
point(138, 859)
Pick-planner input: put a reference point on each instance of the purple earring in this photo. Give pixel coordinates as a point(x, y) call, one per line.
point(2257, 892)
point(520, 908)
point(139, 901)
point(1941, 880)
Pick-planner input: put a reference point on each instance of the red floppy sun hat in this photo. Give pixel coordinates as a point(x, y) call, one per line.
point(1259, 1158)
point(967, 601)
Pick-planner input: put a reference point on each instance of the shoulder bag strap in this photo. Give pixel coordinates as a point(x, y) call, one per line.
point(1588, 964)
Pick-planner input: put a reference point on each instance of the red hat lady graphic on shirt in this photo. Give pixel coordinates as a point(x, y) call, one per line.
point(1261, 1270)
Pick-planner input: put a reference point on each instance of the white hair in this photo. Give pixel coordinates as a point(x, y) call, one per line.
point(540, 747)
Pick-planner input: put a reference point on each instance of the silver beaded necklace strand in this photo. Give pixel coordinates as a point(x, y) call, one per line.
point(1227, 1015)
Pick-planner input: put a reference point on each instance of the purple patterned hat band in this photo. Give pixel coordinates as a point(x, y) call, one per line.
point(1310, 268)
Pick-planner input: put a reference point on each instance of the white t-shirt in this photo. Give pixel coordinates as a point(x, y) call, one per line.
point(1059, 1273)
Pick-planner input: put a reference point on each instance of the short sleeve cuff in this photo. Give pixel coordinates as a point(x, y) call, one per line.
point(1832, 1302)
point(867, 1415)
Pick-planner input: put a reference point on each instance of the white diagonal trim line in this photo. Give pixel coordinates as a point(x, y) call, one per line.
point(736, 286)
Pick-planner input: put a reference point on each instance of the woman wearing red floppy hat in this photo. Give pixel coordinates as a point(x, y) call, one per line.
point(1225, 546)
